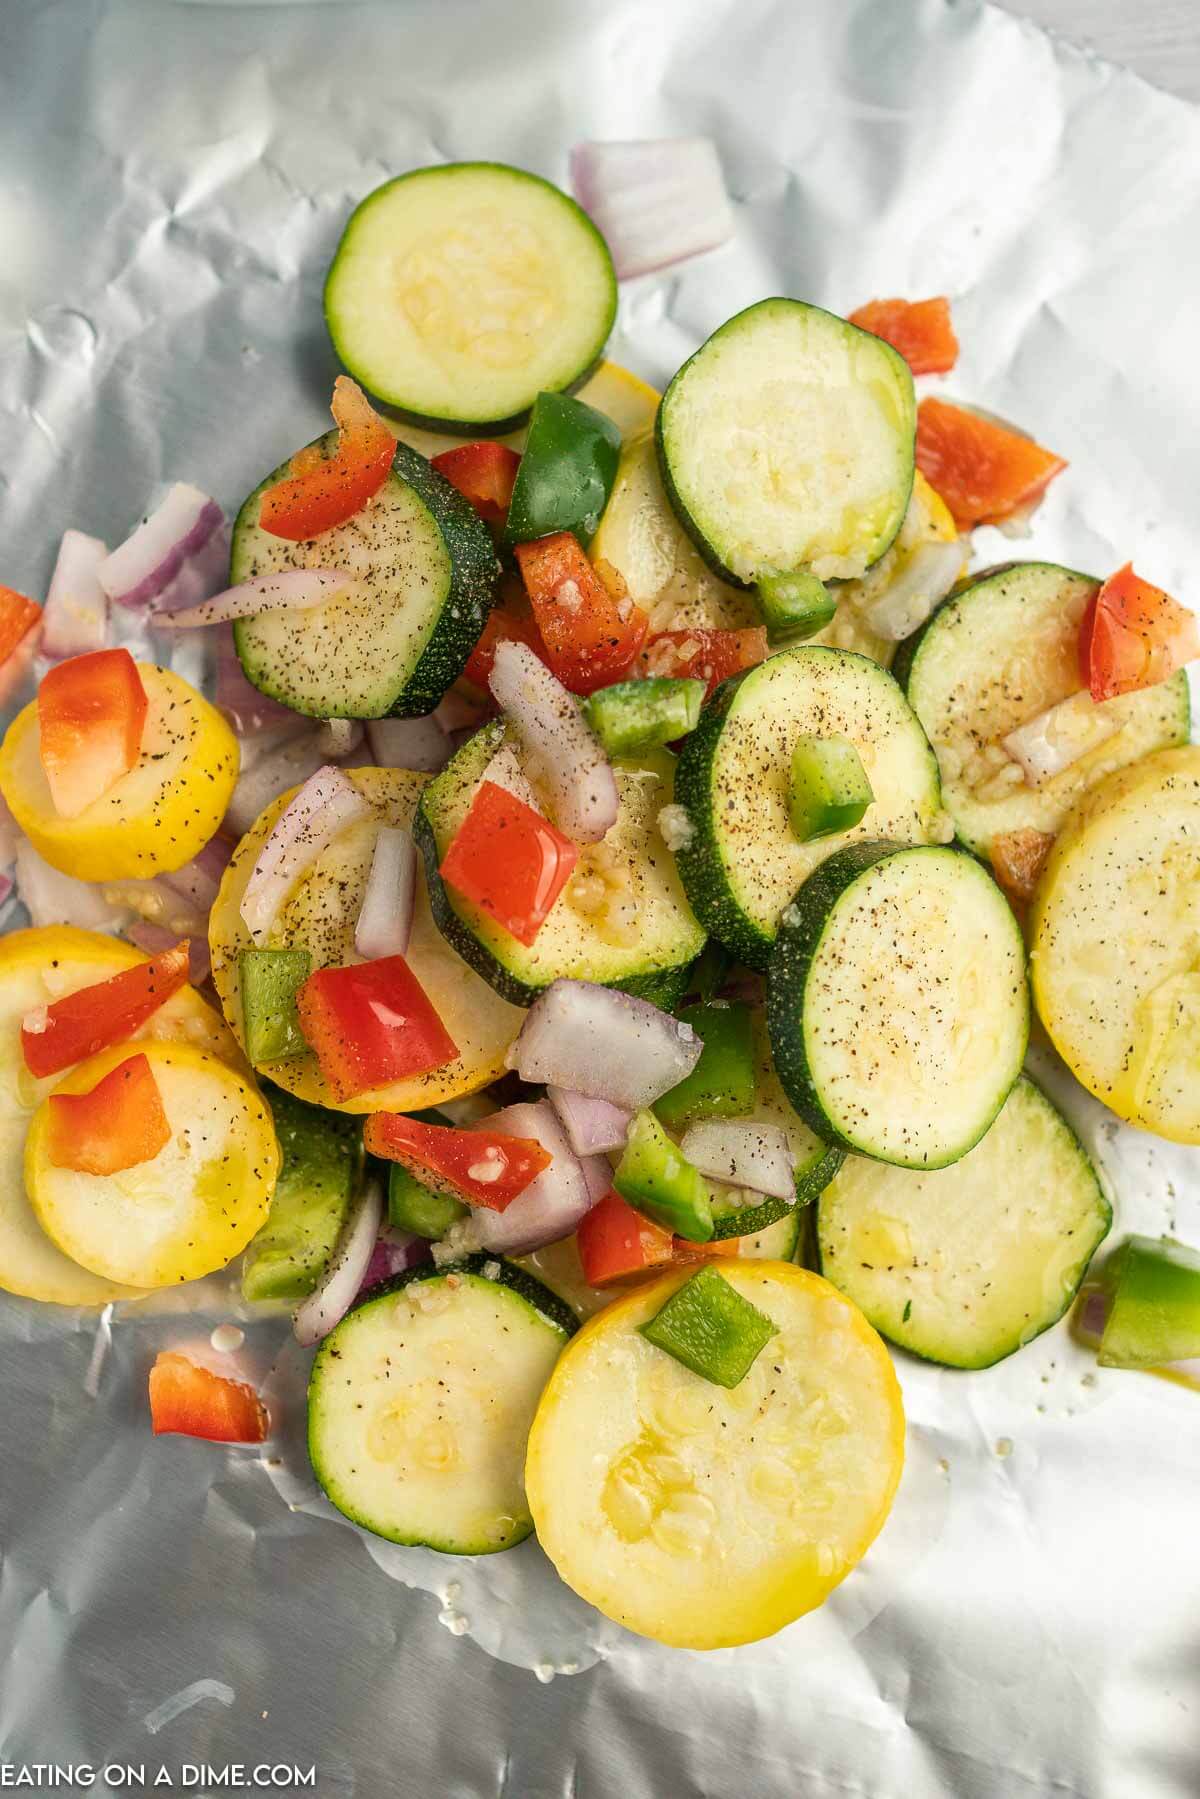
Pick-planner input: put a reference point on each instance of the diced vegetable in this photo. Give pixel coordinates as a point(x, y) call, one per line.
point(743, 1153)
point(509, 860)
point(339, 1285)
point(192, 1401)
point(371, 1025)
point(610, 1045)
point(174, 557)
point(656, 1179)
point(114, 1125)
point(1058, 738)
point(412, 1206)
point(554, 1202)
point(416, 743)
point(1018, 858)
point(91, 717)
point(319, 1173)
point(566, 473)
point(794, 606)
point(616, 1242)
point(503, 626)
point(591, 638)
point(829, 791)
point(920, 329)
point(708, 1326)
point(657, 201)
point(722, 1082)
point(638, 715)
point(18, 616)
point(483, 474)
point(983, 470)
point(485, 1167)
point(708, 656)
point(593, 1126)
point(385, 922)
point(327, 803)
point(1134, 635)
point(92, 1018)
point(270, 981)
point(320, 492)
point(288, 590)
point(921, 583)
point(576, 772)
point(1152, 1285)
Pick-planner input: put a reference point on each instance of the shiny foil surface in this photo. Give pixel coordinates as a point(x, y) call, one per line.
point(173, 180)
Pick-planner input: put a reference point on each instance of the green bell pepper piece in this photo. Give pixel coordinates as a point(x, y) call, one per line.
point(711, 1329)
point(1154, 1316)
point(416, 1208)
point(567, 471)
point(656, 1180)
point(830, 791)
point(794, 606)
point(270, 980)
point(322, 1162)
point(721, 1085)
point(643, 715)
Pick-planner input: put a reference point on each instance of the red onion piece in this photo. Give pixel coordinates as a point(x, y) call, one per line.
point(656, 201)
point(457, 711)
point(923, 581)
point(51, 897)
point(605, 1044)
point(155, 938)
point(325, 805)
point(742, 1154)
point(416, 743)
point(161, 560)
point(504, 770)
point(200, 879)
point(394, 1252)
point(552, 1204)
point(289, 590)
point(577, 774)
point(75, 615)
point(597, 1174)
point(338, 1287)
point(593, 1126)
point(1058, 737)
point(288, 765)
point(247, 710)
point(1091, 1314)
point(385, 921)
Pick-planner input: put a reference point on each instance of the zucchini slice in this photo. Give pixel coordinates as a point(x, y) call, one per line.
point(996, 655)
point(320, 916)
point(420, 1402)
point(897, 1002)
point(321, 1162)
point(703, 1516)
point(787, 442)
point(964, 1265)
point(458, 294)
point(425, 575)
point(622, 920)
point(742, 862)
point(1116, 974)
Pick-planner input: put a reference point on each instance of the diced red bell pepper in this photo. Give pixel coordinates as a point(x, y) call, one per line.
point(319, 492)
point(502, 626)
point(1133, 635)
point(484, 474)
point(591, 635)
point(18, 616)
point(107, 1012)
point(116, 1125)
point(370, 1025)
point(616, 1243)
point(509, 861)
point(485, 1168)
point(1018, 858)
point(984, 471)
point(711, 656)
point(194, 1402)
point(920, 329)
point(91, 716)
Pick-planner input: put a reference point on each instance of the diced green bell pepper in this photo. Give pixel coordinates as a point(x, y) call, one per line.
point(567, 471)
point(1154, 1316)
point(270, 980)
point(794, 606)
point(711, 1329)
point(416, 1208)
point(721, 1085)
point(830, 791)
point(656, 1180)
point(322, 1161)
point(642, 715)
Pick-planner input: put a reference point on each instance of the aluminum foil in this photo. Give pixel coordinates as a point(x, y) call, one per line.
point(172, 183)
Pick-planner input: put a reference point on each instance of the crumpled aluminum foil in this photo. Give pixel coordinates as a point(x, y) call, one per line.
point(174, 183)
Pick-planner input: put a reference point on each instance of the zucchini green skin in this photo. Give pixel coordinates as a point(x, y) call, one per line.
point(811, 1182)
point(526, 1286)
point(322, 1165)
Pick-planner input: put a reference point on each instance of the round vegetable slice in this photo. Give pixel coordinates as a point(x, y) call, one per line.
point(460, 293)
point(613, 390)
point(703, 1516)
point(1114, 944)
point(320, 915)
point(187, 1210)
point(964, 1265)
point(156, 817)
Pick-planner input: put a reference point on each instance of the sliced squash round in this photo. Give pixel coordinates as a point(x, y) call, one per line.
point(188, 1210)
point(320, 915)
point(704, 1516)
point(156, 817)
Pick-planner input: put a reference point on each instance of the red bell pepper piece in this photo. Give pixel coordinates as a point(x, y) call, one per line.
point(484, 474)
point(1133, 635)
point(616, 1243)
point(195, 1402)
point(502, 627)
point(18, 616)
point(485, 1168)
point(319, 492)
point(107, 1012)
point(370, 1025)
point(509, 861)
point(91, 716)
point(116, 1125)
point(982, 470)
point(711, 656)
point(920, 329)
point(591, 635)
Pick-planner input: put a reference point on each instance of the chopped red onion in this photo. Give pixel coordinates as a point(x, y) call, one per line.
point(293, 762)
point(200, 879)
point(504, 770)
point(51, 897)
point(385, 922)
point(552, 1204)
point(576, 772)
point(921, 583)
point(180, 547)
point(742, 1154)
point(597, 1174)
point(339, 737)
point(657, 201)
point(155, 938)
point(1058, 737)
point(288, 590)
point(457, 711)
point(1091, 1314)
point(593, 1126)
point(75, 615)
point(325, 805)
point(394, 1252)
point(247, 710)
point(338, 1287)
point(416, 743)
point(603, 1043)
